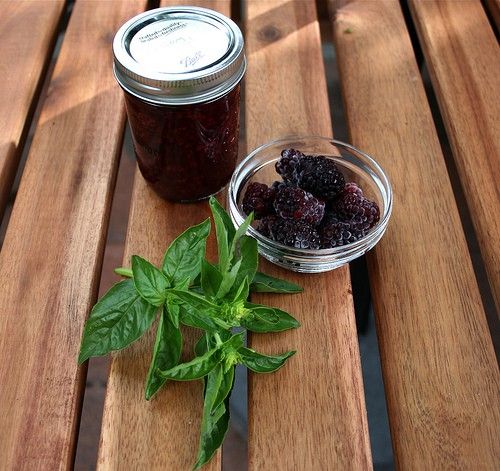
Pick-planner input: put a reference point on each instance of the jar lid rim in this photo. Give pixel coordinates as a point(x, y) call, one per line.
point(179, 55)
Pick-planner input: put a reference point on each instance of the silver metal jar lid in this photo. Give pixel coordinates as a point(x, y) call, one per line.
point(179, 55)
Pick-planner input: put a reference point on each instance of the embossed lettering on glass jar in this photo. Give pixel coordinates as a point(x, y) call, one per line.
point(181, 69)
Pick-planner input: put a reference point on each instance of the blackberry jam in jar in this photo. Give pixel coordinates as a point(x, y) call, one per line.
point(180, 69)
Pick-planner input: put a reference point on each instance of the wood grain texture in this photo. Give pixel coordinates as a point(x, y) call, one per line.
point(51, 257)
point(438, 362)
point(311, 413)
point(25, 55)
point(161, 434)
point(463, 59)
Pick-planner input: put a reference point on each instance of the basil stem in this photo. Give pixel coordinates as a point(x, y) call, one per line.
point(126, 272)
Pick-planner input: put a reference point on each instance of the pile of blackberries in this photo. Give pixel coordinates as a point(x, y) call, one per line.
point(312, 207)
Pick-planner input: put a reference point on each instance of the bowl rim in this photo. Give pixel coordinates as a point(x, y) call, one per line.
point(375, 233)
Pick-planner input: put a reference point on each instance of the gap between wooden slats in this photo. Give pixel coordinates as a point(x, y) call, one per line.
point(51, 258)
point(464, 64)
point(25, 56)
point(493, 8)
point(439, 366)
point(311, 413)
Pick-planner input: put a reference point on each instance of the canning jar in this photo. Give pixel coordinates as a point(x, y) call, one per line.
point(180, 69)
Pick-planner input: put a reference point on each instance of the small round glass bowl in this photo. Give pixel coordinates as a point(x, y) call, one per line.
point(356, 166)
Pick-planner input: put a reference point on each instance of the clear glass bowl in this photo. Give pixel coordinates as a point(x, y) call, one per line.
point(356, 166)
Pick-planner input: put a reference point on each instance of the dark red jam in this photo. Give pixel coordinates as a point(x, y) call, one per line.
point(186, 152)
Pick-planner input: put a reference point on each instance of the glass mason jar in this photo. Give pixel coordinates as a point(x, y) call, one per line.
point(180, 69)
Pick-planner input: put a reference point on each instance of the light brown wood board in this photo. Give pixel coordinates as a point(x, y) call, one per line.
point(25, 55)
point(162, 433)
point(311, 413)
point(51, 257)
point(440, 372)
point(463, 59)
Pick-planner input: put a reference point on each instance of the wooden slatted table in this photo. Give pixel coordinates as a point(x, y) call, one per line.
point(440, 371)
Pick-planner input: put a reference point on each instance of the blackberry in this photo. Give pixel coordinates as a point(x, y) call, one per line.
point(259, 199)
point(351, 187)
point(265, 224)
point(320, 176)
point(352, 205)
point(299, 205)
point(296, 234)
point(335, 233)
point(288, 164)
point(277, 185)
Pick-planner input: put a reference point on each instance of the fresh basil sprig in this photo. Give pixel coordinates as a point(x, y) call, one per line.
point(190, 290)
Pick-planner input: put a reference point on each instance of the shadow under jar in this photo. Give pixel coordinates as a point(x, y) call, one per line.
point(181, 69)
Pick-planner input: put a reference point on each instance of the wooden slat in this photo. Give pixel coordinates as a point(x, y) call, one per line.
point(310, 414)
point(25, 54)
point(161, 434)
point(51, 258)
point(439, 367)
point(463, 58)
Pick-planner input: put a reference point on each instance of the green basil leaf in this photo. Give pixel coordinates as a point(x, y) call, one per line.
point(212, 384)
point(203, 345)
point(126, 272)
point(235, 342)
point(268, 319)
point(225, 233)
point(166, 352)
point(196, 281)
point(173, 311)
point(225, 386)
point(243, 291)
point(214, 424)
point(183, 257)
point(228, 280)
point(150, 282)
point(194, 369)
point(263, 363)
point(195, 318)
point(241, 231)
point(119, 318)
point(211, 278)
point(263, 283)
point(196, 301)
point(224, 217)
point(249, 261)
point(207, 341)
